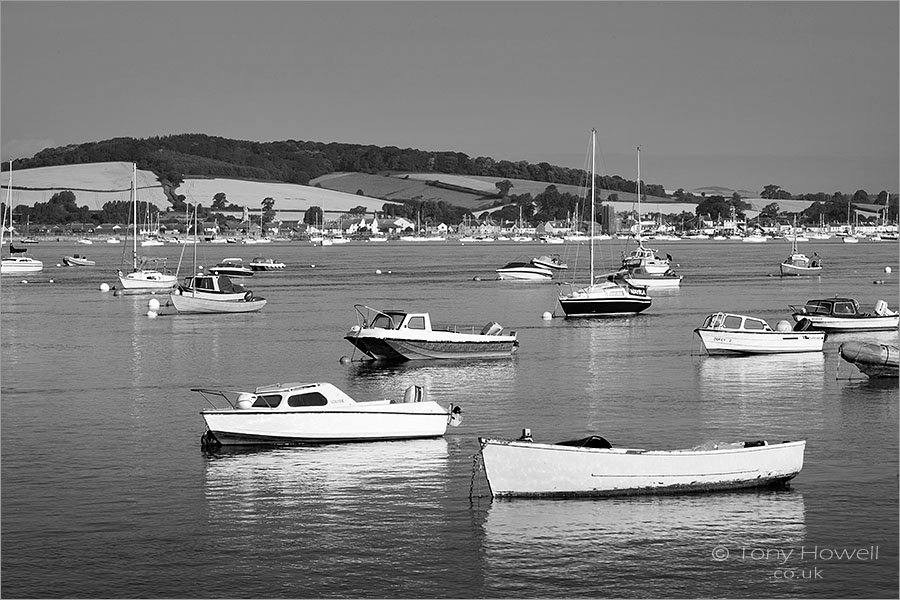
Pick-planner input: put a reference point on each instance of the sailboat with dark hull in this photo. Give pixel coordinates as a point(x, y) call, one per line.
point(611, 296)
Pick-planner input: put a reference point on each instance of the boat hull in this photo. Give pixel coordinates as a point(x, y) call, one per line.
point(603, 307)
point(655, 281)
point(382, 421)
point(232, 271)
point(721, 342)
point(789, 269)
point(851, 323)
point(147, 280)
point(527, 469)
point(525, 274)
point(875, 360)
point(380, 345)
point(187, 304)
point(72, 261)
point(20, 265)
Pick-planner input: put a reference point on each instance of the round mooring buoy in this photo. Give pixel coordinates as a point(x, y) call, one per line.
point(104, 287)
point(378, 271)
point(887, 269)
point(153, 304)
point(345, 360)
point(547, 316)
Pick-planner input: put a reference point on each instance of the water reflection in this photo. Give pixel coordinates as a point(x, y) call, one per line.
point(444, 380)
point(762, 373)
point(242, 481)
point(763, 395)
point(596, 547)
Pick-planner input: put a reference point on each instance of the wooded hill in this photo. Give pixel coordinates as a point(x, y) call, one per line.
point(173, 158)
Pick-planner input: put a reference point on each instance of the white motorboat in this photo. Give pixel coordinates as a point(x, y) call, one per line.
point(15, 263)
point(646, 258)
point(611, 297)
point(726, 333)
point(233, 267)
point(145, 273)
point(214, 294)
point(262, 263)
point(319, 413)
point(400, 335)
point(592, 467)
point(550, 261)
point(638, 276)
point(844, 314)
point(523, 271)
point(875, 360)
point(78, 261)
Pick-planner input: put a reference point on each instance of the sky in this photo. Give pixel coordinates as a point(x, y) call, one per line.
point(803, 95)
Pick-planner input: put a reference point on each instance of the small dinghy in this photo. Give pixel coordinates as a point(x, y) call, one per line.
point(875, 360)
point(591, 466)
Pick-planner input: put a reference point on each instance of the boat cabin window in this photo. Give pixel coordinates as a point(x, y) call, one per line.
point(203, 283)
point(844, 308)
point(382, 322)
point(307, 399)
point(820, 308)
point(270, 401)
point(732, 322)
point(755, 325)
point(416, 323)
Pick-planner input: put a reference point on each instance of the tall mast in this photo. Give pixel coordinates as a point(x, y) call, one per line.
point(593, 177)
point(639, 193)
point(8, 208)
point(134, 209)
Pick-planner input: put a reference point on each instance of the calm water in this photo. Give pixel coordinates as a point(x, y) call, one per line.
point(106, 493)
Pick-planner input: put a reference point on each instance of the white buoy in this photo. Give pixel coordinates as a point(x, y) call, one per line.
point(58, 265)
point(547, 316)
point(312, 266)
point(345, 360)
point(378, 271)
point(887, 269)
point(51, 281)
point(389, 272)
point(152, 314)
point(153, 304)
point(104, 287)
point(24, 281)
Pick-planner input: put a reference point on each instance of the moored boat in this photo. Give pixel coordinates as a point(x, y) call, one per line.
point(726, 333)
point(318, 413)
point(523, 271)
point(78, 261)
point(591, 466)
point(843, 314)
point(146, 274)
point(638, 276)
point(611, 297)
point(401, 335)
point(233, 267)
point(214, 294)
point(15, 263)
point(798, 263)
point(550, 261)
point(262, 263)
point(875, 360)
